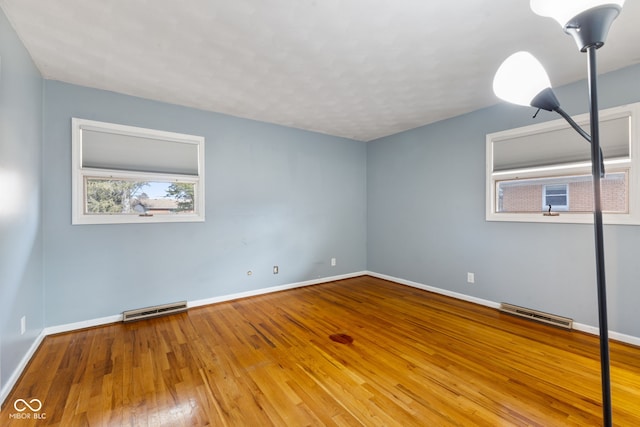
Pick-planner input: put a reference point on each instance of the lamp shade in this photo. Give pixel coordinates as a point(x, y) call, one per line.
point(520, 79)
point(563, 10)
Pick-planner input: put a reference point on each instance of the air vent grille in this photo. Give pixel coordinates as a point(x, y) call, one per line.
point(155, 311)
point(538, 316)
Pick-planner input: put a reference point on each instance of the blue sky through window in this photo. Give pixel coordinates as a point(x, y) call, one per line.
point(156, 190)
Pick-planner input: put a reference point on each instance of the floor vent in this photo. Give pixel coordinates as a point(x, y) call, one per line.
point(155, 311)
point(539, 316)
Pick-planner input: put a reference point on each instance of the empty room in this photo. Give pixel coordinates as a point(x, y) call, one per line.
point(319, 213)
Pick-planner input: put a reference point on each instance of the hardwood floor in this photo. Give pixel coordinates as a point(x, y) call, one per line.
point(417, 359)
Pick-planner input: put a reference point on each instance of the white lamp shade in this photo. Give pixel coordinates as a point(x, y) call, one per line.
point(563, 10)
point(520, 78)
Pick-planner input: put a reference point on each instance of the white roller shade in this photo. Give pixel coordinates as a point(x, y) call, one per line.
point(561, 146)
point(106, 150)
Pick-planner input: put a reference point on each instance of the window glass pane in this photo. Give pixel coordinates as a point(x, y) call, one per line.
point(560, 146)
point(556, 197)
point(566, 193)
point(114, 196)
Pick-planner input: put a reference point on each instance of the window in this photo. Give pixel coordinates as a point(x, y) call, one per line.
point(556, 197)
point(125, 174)
point(532, 167)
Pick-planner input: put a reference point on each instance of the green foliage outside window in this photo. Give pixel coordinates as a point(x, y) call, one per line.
point(113, 196)
point(183, 194)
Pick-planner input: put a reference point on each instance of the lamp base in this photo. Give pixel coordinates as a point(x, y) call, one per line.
point(590, 28)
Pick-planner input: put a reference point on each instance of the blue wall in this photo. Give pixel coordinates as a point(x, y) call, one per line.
point(21, 284)
point(274, 196)
point(409, 205)
point(426, 219)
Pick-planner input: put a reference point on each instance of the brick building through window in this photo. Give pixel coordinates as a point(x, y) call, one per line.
point(529, 195)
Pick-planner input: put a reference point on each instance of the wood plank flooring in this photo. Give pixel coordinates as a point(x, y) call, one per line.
point(417, 359)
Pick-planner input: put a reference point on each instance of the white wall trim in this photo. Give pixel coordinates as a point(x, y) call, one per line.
point(13, 379)
point(230, 297)
point(440, 291)
point(593, 330)
point(68, 327)
point(50, 330)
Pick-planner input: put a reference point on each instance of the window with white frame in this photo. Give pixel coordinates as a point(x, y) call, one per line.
point(551, 162)
point(126, 174)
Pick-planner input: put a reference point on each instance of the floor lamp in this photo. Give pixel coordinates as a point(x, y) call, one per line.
point(522, 80)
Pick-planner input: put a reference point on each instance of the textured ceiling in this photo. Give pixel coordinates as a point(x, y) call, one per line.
point(360, 69)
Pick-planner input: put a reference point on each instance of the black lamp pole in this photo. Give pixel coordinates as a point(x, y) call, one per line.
point(596, 167)
point(589, 30)
point(547, 100)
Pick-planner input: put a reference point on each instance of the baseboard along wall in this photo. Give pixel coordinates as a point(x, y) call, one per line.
point(51, 330)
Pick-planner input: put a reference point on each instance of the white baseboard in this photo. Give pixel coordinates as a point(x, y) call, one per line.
point(262, 291)
point(50, 330)
point(68, 327)
point(593, 330)
point(440, 291)
point(13, 379)
point(196, 303)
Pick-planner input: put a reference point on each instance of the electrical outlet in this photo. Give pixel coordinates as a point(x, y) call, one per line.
point(23, 325)
point(276, 270)
point(471, 278)
point(333, 262)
